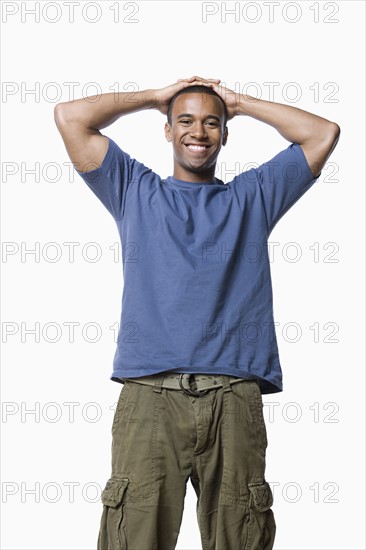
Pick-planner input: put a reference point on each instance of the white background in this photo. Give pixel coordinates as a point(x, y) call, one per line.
point(316, 434)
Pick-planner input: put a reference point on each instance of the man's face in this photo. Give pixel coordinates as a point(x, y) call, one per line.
point(197, 133)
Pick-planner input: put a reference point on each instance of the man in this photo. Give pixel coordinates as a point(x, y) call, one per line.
point(196, 348)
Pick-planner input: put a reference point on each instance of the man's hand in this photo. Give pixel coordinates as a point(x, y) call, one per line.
point(230, 98)
point(164, 95)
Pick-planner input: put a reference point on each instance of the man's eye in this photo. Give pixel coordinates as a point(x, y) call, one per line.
point(213, 124)
point(185, 121)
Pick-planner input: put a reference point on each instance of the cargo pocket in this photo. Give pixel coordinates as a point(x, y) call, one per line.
point(112, 533)
point(261, 527)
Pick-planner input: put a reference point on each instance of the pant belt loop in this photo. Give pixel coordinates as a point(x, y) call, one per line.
point(226, 383)
point(158, 383)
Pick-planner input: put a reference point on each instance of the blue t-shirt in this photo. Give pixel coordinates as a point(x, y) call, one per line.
point(197, 293)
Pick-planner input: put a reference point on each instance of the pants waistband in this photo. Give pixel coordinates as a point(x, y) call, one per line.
point(192, 384)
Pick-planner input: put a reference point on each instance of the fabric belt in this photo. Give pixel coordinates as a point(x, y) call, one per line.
point(192, 384)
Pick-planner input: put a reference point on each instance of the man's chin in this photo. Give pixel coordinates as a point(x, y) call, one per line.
point(199, 168)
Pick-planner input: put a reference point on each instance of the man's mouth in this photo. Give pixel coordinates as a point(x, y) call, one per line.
point(193, 147)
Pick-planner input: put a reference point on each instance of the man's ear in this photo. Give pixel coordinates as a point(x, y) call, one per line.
point(167, 129)
point(226, 133)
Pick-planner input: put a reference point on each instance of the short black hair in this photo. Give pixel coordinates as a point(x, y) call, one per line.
point(194, 90)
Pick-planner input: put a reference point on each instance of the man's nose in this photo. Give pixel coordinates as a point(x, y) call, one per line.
point(198, 130)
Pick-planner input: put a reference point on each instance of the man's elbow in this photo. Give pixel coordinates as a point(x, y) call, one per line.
point(332, 134)
point(327, 140)
point(323, 137)
point(60, 114)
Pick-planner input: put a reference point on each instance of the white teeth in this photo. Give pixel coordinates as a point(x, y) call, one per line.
point(196, 147)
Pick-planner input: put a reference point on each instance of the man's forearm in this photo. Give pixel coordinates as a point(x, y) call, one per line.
point(295, 125)
point(97, 112)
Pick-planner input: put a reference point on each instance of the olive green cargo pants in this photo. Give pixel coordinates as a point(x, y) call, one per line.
point(163, 437)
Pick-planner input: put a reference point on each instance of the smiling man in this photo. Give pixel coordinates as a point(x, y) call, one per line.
point(197, 346)
point(197, 128)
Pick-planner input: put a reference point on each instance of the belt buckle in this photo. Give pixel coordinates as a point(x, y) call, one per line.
point(188, 391)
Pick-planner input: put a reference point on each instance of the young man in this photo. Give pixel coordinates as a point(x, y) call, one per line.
point(197, 346)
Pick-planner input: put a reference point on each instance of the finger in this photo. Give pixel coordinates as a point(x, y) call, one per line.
point(197, 81)
point(201, 79)
point(186, 79)
point(206, 83)
point(198, 78)
point(202, 83)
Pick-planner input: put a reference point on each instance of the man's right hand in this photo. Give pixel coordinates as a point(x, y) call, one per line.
point(165, 95)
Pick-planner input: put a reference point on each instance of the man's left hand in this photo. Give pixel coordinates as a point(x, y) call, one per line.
point(230, 97)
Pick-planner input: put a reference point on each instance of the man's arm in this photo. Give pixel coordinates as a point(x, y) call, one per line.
point(317, 136)
point(80, 121)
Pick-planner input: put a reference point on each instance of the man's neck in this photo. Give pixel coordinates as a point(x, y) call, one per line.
point(194, 177)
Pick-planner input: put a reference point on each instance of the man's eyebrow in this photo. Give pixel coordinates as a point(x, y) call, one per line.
point(208, 116)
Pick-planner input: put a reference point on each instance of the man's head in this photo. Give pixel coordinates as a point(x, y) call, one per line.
point(198, 90)
point(197, 128)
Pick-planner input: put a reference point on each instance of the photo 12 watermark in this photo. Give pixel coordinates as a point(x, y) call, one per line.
point(71, 12)
point(270, 12)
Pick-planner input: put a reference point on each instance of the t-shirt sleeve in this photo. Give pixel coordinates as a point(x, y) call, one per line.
point(113, 178)
point(283, 181)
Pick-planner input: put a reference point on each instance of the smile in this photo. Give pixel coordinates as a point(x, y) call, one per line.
point(197, 147)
